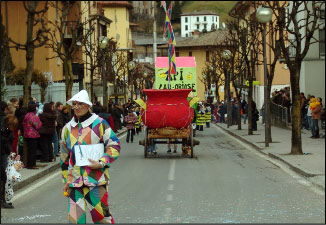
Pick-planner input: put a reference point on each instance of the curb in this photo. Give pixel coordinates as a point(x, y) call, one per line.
point(271, 155)
point(48, 169)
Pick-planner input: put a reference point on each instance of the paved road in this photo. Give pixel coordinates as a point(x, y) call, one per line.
point(226, 182)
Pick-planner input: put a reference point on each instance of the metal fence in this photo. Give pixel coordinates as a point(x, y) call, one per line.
point(279, 115)
point(54, 92)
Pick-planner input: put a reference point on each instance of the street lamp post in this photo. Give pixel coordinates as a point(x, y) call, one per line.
point(264, 15)
point(227, 56)
point(131, 66)
point(103, 45)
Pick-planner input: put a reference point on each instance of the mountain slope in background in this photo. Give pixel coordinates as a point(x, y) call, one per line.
point(222, 8)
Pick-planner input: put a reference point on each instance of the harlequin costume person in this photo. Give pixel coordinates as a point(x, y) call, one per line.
point(88, 183)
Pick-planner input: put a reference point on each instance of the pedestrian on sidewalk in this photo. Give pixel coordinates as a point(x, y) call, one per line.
point(31, 125)
point(7, 136)
point(316, 108)
point(130, 120)
point(48, 119)
point(255, 115)
point(87, 184)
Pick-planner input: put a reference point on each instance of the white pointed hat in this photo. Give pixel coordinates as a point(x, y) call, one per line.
point(81, 96)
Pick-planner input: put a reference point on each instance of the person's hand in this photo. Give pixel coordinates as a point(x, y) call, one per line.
point(65, 187)
point(19, 133)
point(94, 164)
point(13, 177)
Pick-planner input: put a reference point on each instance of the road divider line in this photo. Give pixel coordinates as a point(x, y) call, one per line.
point(172, 170)
point(169, 197)
point(170, 187)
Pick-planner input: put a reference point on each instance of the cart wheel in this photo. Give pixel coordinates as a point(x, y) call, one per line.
point(192, 143)
point(146, 143)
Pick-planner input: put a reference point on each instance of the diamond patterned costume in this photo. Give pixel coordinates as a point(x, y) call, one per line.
point(86, 184)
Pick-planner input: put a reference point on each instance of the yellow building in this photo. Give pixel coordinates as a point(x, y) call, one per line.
point(120, 30)
point(245, 9)
point(14, 18)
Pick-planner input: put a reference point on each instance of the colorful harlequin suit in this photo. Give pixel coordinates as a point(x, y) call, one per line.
point(86, 184)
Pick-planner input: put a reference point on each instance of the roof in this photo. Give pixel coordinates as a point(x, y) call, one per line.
point(101, 17)
point(159, 40)
point(206, 39)
point(195, 13)
point(116, 4)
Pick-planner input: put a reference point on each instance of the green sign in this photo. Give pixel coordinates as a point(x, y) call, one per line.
point(184, 79)
point(255, 82)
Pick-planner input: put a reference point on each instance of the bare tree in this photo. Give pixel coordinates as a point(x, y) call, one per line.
point(68, 23)
point(298, 29)
point(247, 54)
point(34, 40)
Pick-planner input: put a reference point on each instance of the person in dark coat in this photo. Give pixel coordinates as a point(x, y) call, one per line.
point(48, 119)
point(65, 115)
point(105, 115)
point(116, 114)
point(5, 149)
point(20, 114)
point(255, 115)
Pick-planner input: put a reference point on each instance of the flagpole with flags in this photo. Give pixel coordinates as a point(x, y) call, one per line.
point(171, 51)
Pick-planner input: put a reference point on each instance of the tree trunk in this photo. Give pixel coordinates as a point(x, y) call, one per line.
point(296, 144)
point(249, 120)
point(29, 59)
point(268, 120)
point(92, 86)
point(69, 77)
point(239, 110)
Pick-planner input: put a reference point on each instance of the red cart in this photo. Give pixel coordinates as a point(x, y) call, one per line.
point(168, 116)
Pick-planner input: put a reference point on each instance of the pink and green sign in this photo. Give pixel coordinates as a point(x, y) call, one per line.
point(185, 78)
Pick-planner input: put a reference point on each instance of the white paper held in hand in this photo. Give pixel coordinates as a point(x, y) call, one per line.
point(85, 152)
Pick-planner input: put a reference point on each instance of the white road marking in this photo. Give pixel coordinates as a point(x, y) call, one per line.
point(169, 197)
point(168, 212)
point(283, 166)
point(172, 170)
point(36, 185)
point(170, 187)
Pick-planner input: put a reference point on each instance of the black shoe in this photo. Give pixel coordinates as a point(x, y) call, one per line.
point(127, 141)
point(169, 151)
point(175, 151)
point(8, 205)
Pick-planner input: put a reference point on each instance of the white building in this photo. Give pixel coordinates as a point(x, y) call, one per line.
point(312, 74)
point(203, 20)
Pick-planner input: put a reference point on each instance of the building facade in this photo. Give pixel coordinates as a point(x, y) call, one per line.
point(201, 21)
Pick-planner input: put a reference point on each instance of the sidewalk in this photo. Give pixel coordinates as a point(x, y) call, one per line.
point(29, 176)
point(310, 165)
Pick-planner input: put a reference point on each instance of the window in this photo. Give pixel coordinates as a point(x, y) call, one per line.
point(103, 31)
point(216, 19)
point(322, 43)
point(205, 26)
point(207, 56)
point(197, 19)
point(186, 27)
point(212, 18)
point(204, 18)
point(190, 53)
point(186, 35)
point(186, 19)
point(322, 14)
point(197, 26)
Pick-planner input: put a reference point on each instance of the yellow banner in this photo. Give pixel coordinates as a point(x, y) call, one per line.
point(193, 101)
point(141, 103)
